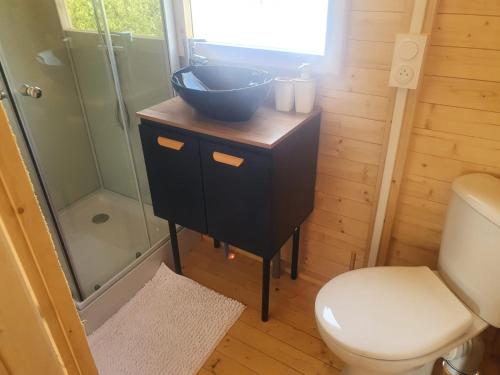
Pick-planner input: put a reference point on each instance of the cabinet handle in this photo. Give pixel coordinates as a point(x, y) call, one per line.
point(170, 143)
point(227, 159)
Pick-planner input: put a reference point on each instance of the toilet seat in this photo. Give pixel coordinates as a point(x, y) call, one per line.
point(390, 313)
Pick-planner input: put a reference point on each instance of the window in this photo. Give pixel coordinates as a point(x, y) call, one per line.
point(141, 17)
point(297, 26)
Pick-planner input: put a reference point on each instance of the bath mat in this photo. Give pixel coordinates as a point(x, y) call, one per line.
point(170, 326)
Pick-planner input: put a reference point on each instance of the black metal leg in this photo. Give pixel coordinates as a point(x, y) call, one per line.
point(295, 253)
point(175, 247)
point(266, 264)
point(216, 243)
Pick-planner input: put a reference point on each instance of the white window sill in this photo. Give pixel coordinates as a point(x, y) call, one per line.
point(261, 58)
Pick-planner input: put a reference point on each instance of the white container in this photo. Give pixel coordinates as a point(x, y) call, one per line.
point(283, 94)
point(305, 90)
point(305, 94)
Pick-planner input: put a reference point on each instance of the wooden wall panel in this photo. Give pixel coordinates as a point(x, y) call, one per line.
point(462, 93)
point(480, 64)
point(345, 207)
point(480, 7)
point(354, 104)
point(347, 170)
point(457, 147)
point(362, 80)
point(362, 129)
point(370, 55)
point(344, 188)
point(443, 169)
point(33, 249)
point(469, 31)
point(426, 188)
point(456, 120)
point(408, 255)
point(349, 149)
point(375, 26)
point(456, 129)
point(357, 105)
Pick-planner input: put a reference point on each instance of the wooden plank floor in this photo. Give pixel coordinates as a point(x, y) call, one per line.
point(289, 343)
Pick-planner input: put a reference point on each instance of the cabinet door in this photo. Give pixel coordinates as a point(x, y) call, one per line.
point(174, 174)
point(237, 195)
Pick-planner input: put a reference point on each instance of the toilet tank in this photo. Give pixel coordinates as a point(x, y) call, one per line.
point(469, 258)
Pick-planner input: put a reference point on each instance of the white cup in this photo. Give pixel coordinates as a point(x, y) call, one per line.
point(283, 94)
point(305, 93)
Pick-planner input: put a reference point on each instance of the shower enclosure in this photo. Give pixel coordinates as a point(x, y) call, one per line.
point(74, 72)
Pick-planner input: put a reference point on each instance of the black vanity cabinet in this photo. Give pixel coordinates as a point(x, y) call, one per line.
point(238, 198)
point(249, 184)
point(175, 177)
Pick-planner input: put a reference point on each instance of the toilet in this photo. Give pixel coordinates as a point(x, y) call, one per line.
point(400, 320)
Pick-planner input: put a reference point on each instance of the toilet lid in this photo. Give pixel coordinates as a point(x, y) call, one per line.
point(390, 313)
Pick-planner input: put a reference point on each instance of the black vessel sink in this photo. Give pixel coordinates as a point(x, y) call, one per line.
point(222, 92)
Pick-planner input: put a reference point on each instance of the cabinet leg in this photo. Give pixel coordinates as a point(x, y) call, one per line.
point(295, 253)
point(216, 243)
point(276, 265)
point(266, 263)
point(175, 247)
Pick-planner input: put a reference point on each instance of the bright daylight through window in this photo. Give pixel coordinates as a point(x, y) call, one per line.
point(297, 26)
point(140, 17)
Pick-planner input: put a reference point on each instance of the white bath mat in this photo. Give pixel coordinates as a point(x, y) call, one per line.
point(169, 327)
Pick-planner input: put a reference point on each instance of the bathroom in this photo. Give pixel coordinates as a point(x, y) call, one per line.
point(394, 100)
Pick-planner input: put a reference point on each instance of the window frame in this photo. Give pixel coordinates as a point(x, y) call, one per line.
point(63, 15)
point(218, 53)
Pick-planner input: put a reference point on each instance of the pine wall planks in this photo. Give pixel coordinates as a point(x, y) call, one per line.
point(356, 108)
point(456, 130)
point(457, 125)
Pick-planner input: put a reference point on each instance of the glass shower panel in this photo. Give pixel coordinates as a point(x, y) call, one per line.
point(76, 133)
point(31, 167)
point(143, 67)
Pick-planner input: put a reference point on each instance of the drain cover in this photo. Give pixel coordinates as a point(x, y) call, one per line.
point(100, 218)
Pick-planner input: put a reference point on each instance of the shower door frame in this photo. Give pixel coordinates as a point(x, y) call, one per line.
point(171, 55)
point(41, 187)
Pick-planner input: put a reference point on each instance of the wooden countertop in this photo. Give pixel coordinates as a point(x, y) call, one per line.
point(265, 129)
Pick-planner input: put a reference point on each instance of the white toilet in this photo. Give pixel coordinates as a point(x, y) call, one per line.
point(400, 320)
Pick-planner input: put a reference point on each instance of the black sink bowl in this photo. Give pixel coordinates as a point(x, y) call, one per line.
point(222, 92)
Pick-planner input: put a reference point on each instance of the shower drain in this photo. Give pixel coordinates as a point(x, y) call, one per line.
point(100, 218)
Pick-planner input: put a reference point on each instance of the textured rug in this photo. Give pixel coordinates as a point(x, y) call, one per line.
point(170, 326)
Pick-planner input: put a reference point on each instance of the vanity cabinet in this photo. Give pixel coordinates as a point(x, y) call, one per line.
point(238, 197)
point(174, 175)
point(249, 184)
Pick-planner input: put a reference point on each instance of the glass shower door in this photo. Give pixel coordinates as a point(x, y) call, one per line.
point(62, 84)
point(136, 35)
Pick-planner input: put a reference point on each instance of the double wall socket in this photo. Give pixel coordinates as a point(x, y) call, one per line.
point(407, 60)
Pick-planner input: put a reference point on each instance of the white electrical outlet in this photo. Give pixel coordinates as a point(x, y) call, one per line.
point(404, 74)
point(407, 60)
